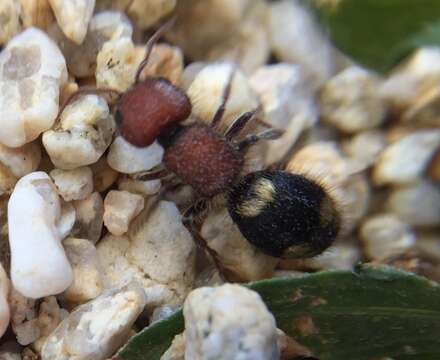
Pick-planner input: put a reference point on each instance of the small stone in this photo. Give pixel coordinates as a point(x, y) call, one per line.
point(424, 111)
point(83, 134)
point(87, 283)
point(144, 188)
point(4, 306)
point(117, 63)
point(288, 104)
point(103, 175)
point(355, 198)
point(95, 330)
point(104, 26)
point(50, 315)
point(163, 312)
point(158, 252)
point(322, 159)
point(384, 236)
point(120, 208)
point(235, 253)
point(405, 160)
point(176, 351)
point(36, 13)
point(206, 93)
point(39, 321)
point(350, 101)
point(67, 219)
point(146, 14)
point(32, 71)
point(365, 147)
point(21, 161)
point(22, 308)
point(27, 332)
point(417, 204)
point(228, 322)
point(39, 266)
point(89, 218)
point(339, 256)
point(68, 89)
point(420, 73)
point(165, 61)
point(202, 26)
point(119, 59)
point(17, 162)
point(249, 47)
point(297, 38)
point(9, 19)
point(73, 17)
point(129, 159)
point(428, 245)
point(76, 184)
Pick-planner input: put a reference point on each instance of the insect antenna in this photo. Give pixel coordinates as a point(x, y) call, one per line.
point(225, 96)
point(239, 123)
point(249, 140)
point(151, 42)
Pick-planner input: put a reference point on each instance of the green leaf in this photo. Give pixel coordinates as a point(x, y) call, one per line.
point(370, 313)
point(378, 33)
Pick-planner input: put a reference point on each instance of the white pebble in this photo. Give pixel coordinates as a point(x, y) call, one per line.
point(4, 306)
point(249, 47)
point(203, 27)
point(165, 61)
point(228, 322)
point(36, 13)
point(350, 101)
point(39, 266)
point(288, 104)
point(32, 71)
point(128, 159)
point(297, 38)
point(85, 131)
point(405, 160)
point(104, 26)
point(384, 236)
point(147, 13)
point(89, 218)
point(95, 330)
point(159, 252)
point(120, 208)
point(338, 256)
point(117, 63)
point(420, 73)
point(103, 175)
point(235, 252)
point(17, 162)
point(9, 19)
point(34, 329)
point(365, 147)
point(87, 282)
point(176, 351)
point(144, 188)
point(428, 244)
point(73, 16)
point(76, 184)
point(417, 204)
point(22, 160)
point(206, 93)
